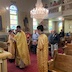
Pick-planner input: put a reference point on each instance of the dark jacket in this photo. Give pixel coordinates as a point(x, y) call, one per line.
point(62, 34)
point(54, 39)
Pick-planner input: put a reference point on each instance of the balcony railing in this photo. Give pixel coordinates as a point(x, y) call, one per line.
point(60, 8)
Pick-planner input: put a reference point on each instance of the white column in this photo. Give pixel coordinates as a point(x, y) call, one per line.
point(0, 65)
point(4, 66)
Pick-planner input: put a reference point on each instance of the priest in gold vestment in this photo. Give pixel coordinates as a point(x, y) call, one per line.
point(22, 52)
point(42, 50)
point(11, 45)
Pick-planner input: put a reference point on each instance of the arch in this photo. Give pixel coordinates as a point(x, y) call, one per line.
point(13, 16)
point(13, 7)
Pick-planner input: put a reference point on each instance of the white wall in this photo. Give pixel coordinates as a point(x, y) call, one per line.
point(68, 26)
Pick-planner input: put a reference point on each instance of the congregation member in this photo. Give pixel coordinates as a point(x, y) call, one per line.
point(46, 6)
point(68, 34)
point(62, 34)
point(11, 45)
point(34, 41)
point(51, 4)
point(54, 40)
point(28, 36)
point(22, 59)
point(51, 10)
point(42, 50)
point(55, 3)
point(49, 38)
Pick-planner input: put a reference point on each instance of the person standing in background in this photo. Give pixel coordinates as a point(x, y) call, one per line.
point(55, 3)
point(34, 41)
point(51, 4)
point(49, 38)
point(11, 45)
point(46, 6)
point(28, 36)
point(42, 50)
point(62, 34)
point(54, 40)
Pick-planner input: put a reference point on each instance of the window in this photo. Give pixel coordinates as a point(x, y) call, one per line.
point(35, 24)
point(60, 26)
point(50, 26)
point(13, 17)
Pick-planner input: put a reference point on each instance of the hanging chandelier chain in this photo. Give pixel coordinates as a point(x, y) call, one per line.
point(39, 3)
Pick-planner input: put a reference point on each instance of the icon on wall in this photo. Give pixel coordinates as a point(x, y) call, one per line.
point(26, 23)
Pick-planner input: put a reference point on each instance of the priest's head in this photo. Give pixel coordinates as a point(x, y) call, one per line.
point(18, 28)
point(10, 31)
point(40, 29)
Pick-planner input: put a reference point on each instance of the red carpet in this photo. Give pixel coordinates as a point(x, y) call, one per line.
point(31, 68)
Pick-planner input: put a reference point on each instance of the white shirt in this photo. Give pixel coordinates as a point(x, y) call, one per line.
point(35, 37)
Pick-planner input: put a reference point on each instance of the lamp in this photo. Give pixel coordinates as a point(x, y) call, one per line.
point(39, 12)
point(61, 18)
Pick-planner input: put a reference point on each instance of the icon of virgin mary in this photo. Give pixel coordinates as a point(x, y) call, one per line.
point(26, 23)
